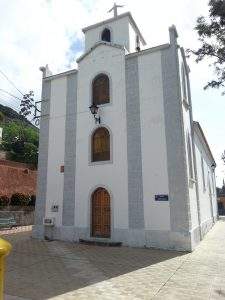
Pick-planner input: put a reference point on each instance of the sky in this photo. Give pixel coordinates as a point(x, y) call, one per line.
point(34, 33)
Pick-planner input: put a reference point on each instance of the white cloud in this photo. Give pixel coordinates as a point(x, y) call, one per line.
point(34, 33)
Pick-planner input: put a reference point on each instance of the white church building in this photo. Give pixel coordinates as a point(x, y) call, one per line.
point(120, 157)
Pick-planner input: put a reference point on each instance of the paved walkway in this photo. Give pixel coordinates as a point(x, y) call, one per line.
point(15, 230)
point(58, 270)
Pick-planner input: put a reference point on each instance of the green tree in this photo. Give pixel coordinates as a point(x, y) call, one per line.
point(27, 104)
point(20, 141)
point(211, 31)
point(223, 156)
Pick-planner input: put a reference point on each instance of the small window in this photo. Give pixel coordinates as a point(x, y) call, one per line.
point(101, 145)
point(100, 89)
point(203, 173)
point(184, 83)
point(106, 35)
point(190, 161)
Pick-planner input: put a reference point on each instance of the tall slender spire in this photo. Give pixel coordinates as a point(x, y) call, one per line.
point(114, 9)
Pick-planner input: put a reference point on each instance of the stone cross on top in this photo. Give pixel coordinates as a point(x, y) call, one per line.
point(114, 9)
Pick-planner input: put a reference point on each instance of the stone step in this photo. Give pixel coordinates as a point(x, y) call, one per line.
point(100, 242)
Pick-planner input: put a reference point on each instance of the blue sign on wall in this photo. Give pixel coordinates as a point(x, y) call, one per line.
point(161, 198)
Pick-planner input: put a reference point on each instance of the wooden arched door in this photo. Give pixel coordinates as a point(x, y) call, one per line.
point(101, 218)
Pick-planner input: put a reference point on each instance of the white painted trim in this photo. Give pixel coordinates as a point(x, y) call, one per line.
point(97, 44)
point(149, 50)
point(60, 75)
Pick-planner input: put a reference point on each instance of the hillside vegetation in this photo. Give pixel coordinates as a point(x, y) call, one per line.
point(20, 136)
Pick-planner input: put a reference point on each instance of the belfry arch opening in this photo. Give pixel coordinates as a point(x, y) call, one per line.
point(106, 35)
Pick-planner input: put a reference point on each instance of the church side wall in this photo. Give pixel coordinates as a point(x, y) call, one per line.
point(153, 141)
point(111, 175)
point(201, 199)
point(207, 192)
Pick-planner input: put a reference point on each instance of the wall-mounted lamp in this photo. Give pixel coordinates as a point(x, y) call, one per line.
point(94, 110)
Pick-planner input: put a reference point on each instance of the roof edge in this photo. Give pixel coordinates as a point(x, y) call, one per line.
point(198, 128)
point(79, 59)
point(74, 71)
point(148, 50)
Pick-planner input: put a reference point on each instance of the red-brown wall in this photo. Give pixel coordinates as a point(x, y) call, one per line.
point(17, 178)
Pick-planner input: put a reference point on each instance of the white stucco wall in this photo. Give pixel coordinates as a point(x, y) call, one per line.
point(119, 33)
point(132, 39)
point(154, 157)
point(207, 198)
point(56, 148)
point(112, 175)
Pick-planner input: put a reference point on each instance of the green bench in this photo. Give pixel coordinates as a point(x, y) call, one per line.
point(7, 222)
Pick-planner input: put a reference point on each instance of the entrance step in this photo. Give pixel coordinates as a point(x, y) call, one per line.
point(100, 242)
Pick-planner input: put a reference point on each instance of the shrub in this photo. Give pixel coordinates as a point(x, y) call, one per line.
point(32, 200)
point(4, 200)
point(19, 199)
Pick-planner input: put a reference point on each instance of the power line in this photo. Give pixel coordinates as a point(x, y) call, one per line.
point(9, 105)
point(11, 82)
point(4, 91)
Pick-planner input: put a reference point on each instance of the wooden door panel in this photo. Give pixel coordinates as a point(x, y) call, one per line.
point(101, 213)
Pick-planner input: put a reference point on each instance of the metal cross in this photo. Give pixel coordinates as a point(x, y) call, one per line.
point(114, 9)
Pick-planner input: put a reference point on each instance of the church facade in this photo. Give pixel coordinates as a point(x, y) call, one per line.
point(120, 157)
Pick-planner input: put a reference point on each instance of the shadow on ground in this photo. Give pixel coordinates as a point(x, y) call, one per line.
point(41, 270)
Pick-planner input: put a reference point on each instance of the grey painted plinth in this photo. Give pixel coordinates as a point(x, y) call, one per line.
point(132, 238)
point(168, 240)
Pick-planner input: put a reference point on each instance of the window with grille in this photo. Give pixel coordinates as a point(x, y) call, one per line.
point(100, 89)
point(101, 145)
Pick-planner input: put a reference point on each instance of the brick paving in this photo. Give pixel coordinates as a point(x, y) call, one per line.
point(60, 270)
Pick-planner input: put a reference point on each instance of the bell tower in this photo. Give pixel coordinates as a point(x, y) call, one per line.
point(120, 30)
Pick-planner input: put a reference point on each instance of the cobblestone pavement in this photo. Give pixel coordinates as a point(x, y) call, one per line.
point(58, 270)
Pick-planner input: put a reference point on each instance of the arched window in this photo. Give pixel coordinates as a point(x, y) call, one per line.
point(101, 145)
point(100, 89)
point(106, 35)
